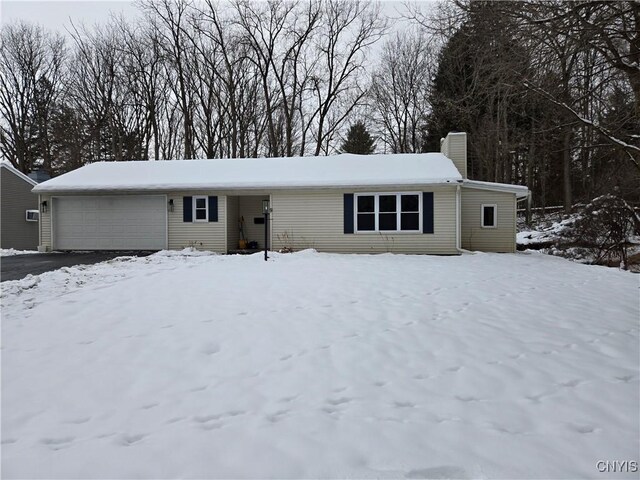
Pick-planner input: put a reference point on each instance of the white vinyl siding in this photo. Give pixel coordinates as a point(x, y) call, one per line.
point(502, 238)
point(315, 219)
point(201, 235)
point(250, 207)
point(45, 223)
point(233, 227)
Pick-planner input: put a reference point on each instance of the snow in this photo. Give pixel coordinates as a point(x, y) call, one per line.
point(547, 234)
point(255, 173)
point(9, 252)
point(320, 365)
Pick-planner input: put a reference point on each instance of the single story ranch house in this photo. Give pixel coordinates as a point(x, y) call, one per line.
point(406, 203)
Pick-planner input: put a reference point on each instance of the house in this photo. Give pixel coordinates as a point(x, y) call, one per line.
point(407, 203)
point(18, 209)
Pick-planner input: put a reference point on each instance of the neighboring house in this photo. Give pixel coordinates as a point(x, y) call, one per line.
point(406, 203)
point(18, 209)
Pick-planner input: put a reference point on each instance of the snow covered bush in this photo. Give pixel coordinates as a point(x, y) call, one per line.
point(602, 231)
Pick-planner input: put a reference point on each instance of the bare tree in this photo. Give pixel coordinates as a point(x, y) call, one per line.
point(400, 91)
point(31, 62)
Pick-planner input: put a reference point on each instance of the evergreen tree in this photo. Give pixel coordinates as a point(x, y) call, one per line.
point(358, 140)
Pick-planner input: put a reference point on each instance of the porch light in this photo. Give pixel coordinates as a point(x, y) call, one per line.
point(44, 206)
point(171, 205)
point(265, 206)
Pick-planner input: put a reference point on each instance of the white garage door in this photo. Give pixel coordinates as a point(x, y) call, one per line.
point(110, 223)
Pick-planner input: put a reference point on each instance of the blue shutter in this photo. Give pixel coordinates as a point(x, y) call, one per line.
point(348, 213)
point(187, 209)
point(213, 209)
point(427, 212)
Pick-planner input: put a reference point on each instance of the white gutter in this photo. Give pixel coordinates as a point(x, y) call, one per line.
point(458, 217)
point(521, 191)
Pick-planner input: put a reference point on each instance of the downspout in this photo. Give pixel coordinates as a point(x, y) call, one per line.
point(458, 218)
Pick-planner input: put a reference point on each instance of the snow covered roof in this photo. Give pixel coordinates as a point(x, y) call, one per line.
point(520, 191)
point(345, 170)
point(6, 164)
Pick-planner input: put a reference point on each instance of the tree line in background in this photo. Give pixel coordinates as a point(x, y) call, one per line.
point(548, 91)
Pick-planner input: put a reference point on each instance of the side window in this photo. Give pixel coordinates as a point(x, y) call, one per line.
point(489, 216)
point(200, 209)
point(366, 213)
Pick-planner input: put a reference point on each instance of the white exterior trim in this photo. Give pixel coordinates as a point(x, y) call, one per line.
point(194, 218)
point(376, 212)
point(519, 190)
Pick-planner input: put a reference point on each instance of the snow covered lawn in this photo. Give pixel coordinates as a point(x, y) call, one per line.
point(318, 365)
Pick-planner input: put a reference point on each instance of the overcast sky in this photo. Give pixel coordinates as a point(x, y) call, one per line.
point(55, 15)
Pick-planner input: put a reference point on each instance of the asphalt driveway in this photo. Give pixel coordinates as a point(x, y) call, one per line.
point(16, 267)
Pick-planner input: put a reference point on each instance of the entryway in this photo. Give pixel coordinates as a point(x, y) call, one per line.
point(245, 227)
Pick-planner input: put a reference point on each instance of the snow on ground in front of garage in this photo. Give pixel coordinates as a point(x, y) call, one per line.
point(320, 365)
point(9, 252)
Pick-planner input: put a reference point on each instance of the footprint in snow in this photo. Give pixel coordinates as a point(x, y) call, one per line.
point(58, 443)
point(338, 401)
point(286, 357)
point(210, 348)
point(457, 368)
point(175, 419)
point(582, 428)
point(467, 398)
point(288, 399)
point(625, 378)
point(149, 406)
point(78, 421)
point(404, 404)
point(277, 416)
point(206, 418)
point(445, 471)
point(571, 383)
point(8, 441)
point(127, 440)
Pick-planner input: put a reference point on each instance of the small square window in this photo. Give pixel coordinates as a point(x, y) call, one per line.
point(489, 216)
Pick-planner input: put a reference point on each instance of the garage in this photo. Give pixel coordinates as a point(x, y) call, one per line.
point(131, 222)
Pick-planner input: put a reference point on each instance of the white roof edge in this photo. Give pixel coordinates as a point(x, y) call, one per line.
point(14, 170)
point(520, 191)
point(43, 189)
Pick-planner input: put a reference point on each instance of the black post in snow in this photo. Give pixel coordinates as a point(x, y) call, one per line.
point(265, 210)
point(266, 234)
